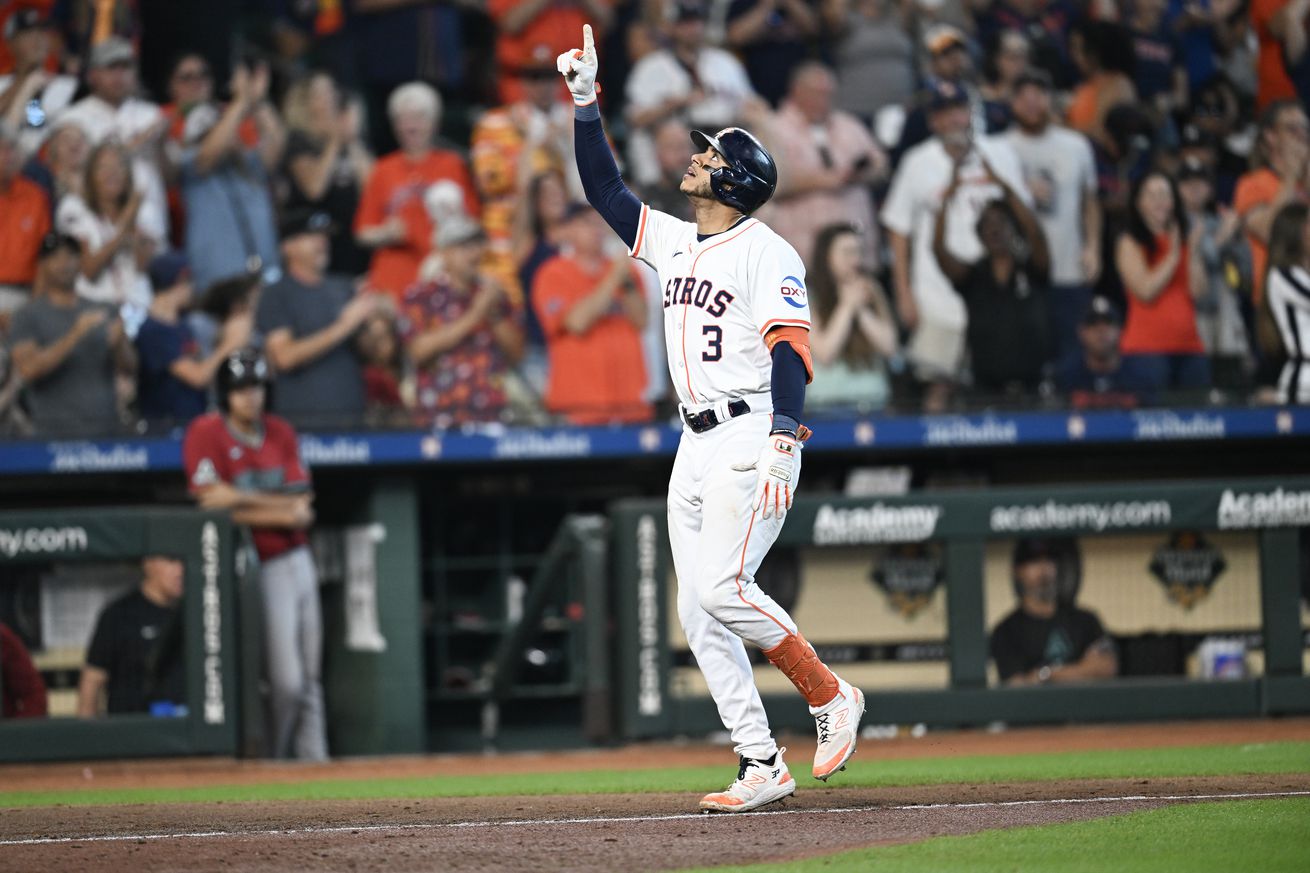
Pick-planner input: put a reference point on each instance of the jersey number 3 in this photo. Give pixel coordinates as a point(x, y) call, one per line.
point(715, 334)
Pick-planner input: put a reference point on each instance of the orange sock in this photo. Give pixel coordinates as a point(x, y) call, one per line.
point(796, 659)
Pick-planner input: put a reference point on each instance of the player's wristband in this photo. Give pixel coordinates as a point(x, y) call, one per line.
point(785, 424)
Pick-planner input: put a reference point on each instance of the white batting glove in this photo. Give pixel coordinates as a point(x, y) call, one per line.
point(776, 474)
point(578, 67)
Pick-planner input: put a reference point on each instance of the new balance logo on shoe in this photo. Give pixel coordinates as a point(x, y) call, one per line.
point(838, 728)
point(757, 783)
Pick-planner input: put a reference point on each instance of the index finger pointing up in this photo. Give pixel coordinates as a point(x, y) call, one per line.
point(588, 44)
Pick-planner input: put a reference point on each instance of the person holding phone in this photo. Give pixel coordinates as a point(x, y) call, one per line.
point(926, 302)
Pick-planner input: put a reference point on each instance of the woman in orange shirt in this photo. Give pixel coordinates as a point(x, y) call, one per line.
point(1162, 272)
point(1102, 51)
point(392, 219)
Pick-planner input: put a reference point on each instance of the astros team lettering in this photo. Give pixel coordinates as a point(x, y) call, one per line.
point(684, 289)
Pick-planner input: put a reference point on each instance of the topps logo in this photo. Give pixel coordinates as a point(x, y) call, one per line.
point(42, 541)
point(879, 523)
point(793, 291)
point(1277, 508)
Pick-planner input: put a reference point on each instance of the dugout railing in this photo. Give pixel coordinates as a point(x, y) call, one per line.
point(1276, 510)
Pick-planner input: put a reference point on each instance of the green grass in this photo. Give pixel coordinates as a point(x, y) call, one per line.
point(865, 771)
point(1256, 835)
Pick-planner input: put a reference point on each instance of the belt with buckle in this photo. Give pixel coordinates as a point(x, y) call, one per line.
point(708, 419)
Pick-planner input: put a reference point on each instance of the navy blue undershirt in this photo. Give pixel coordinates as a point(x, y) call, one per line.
point(621, 210)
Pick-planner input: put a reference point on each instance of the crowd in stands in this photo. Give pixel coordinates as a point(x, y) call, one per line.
point(1086, 202)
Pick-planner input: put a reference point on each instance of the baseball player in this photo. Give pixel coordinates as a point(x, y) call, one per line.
point(248, 462)
point(736, 322)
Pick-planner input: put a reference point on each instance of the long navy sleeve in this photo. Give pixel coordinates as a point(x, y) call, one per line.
point(600, 175)
point(787, 387)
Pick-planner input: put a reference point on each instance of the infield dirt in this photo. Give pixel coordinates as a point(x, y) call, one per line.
point(579, 832)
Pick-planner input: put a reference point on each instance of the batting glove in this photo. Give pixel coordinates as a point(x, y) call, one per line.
point(776, 473)
point(579, 69)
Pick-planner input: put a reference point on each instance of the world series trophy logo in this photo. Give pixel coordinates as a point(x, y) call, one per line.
point(1188, 567)
point(909, 574)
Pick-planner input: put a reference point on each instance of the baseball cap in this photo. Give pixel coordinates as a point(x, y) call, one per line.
point(168, 269)
point(1192, 136)
point(24, 20)
point(113, 50)
point(297, 221)
point(1191, 168)
point(943, 38)
point(1035, 76)
point(1101, 309)
point(688, 10)
point(943, 94)
point(54, 241)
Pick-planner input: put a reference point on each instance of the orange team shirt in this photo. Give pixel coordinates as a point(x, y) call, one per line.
point(1167, 324)
point(599, 376)
point(558, 27)
point(24, 222)
point(396, 187)
point(1271, 74)
point(1257, 188)
point(1081, 113)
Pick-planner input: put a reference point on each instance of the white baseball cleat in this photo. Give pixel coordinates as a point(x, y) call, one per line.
point(838, 724)
point(757, 783)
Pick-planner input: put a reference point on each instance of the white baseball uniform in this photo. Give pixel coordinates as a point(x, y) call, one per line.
point(722, 294)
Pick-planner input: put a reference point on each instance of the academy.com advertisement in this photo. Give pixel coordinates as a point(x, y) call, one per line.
point(24, 541)
point(1096, 516)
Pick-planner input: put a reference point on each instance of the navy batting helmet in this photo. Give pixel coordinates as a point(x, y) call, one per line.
point(750, 177)
point(240, 370)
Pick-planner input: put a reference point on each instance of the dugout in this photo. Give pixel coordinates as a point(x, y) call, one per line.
point(60, 567)
point(1227, 555)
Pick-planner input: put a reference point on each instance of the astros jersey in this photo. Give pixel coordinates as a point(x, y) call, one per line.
point(721, 296)
point(211, 454)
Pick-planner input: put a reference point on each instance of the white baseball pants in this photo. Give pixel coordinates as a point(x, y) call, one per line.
point(718, 542)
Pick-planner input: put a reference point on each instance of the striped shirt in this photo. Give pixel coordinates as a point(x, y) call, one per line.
point(1289, 299)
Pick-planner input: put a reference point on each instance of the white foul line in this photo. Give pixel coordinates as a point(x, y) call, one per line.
point(628, 819)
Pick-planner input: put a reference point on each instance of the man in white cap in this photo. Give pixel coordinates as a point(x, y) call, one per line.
point(113, 109)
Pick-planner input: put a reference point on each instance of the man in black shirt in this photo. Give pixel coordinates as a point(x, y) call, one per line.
point(1046, 640)
point(135, 654)
point(1004, 292)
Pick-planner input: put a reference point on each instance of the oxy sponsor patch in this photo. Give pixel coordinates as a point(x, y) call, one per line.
point(793, 291)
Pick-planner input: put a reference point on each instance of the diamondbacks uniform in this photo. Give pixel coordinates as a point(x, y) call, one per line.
point(288, 581)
